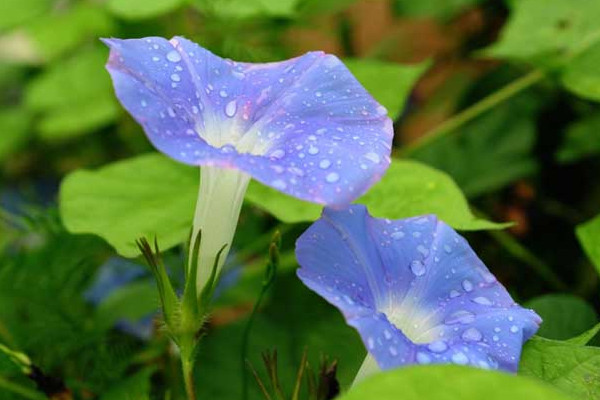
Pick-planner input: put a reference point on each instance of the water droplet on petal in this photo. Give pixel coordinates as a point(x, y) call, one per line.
point(373, 157)
point(332, 177)
point(324, 164)
point(223, 93)
point(454, 293)
point(514, 329)
point(447, 249)
point(175, 77)
point(467, 285)
point(439, 346)
point(462, 317)
point(393, 351)
point(279, 153)
point(370, 343)
point(423, 250)
point(173, 56)
point(423, 358)
point(417, 267)
point(472, 335)
point(397, 235)
point(387, 334)
point(231, 108)
point(279, 184)
point(484, 301)
point(460, 359)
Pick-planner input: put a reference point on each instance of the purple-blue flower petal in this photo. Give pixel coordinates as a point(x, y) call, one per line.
point(304, 126)
point(414, 289)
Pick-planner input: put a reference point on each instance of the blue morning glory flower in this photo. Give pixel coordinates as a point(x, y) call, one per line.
point(414, 289)
point(304, 126)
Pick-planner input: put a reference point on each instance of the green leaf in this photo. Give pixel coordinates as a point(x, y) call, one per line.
point(131, 302)
point(142, 9)
point(572, 368)
point(548, 31)
point(14, 127)
point(408, 188)
point(582, 76)
point(149, 196)
point(74, 97)
point(239, 9)
point(565, 316)
point(411, 188)
point(491, 151)
point(16, 12)
point(449, 382)
point(61, 31)
point(586, 336)
point(588, 234)
point(582, 139)
point(285, 208)
point(389, 83)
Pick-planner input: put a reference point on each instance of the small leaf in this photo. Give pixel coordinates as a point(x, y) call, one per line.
point(148, 196)
point(445, 382)
point(586, 336)
point(588, 234)
point(582, 140)
point(582, 76)
point(389, 83)
point(572, 368)
point(564, 316)
point(240, 9)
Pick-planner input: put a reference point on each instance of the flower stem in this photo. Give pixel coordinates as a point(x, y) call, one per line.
point(470, 113)
point(188, 377)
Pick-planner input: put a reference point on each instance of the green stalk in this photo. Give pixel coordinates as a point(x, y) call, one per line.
point(470, 113)
point(187, 365)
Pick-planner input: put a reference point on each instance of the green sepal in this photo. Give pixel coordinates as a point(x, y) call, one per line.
point(189, 306)
point(209, 289)
point(168, 298)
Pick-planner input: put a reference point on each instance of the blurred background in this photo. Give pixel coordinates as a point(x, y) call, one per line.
point(516, 123)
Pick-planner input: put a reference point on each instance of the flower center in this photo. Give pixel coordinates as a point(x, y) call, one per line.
point(416, 324)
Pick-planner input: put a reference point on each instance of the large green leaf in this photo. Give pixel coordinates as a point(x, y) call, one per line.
point(450, 382)
point(548, 31)
point(389, 83)
point(582, 139)
point(588, 234)
point(149, 196)
point(565, 316)
point(572, 368)
point(74, 96)
point(582, 75)
point(407, 189)
point(142, 9)
point(491, 151)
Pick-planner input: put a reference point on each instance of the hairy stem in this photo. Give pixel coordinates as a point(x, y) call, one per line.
point(188, 377)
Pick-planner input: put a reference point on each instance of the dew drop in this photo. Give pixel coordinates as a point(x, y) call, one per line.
point(175, 77)
point(472, 335)
point(423, 358)
point(460, 359)
point(397, 235)
point(447, 249)
point(370, 343)
point(514, 329)
point(462, 317)
point(313, 150)
point(484, 301)
point(373, 157)
point(173, 56)
point(231, 108)
point(387, 334)
point(467, 285)
point(223, 93)
point(324, 164)
point(393, 351)
point(439, 346)
point(454, 293)
point(423, 250)
point(279, 153)
point(279, 184)
point(417, 267)
point(332, 177)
